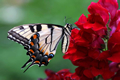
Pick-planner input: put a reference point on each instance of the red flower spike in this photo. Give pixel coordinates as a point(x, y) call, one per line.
point(95, 8)
point(87, 49)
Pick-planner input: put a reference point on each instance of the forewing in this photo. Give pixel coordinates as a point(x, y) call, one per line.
point(22, 34)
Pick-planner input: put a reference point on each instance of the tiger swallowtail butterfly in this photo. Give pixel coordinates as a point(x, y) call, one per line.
point(41, 41)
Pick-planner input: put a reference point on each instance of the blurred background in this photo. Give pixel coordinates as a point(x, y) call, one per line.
point(18, 12)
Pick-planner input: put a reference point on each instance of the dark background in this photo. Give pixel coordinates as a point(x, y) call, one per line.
point(18, 12)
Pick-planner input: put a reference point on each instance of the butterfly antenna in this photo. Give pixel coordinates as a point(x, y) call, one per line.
point(66, 19)
point(28, 67)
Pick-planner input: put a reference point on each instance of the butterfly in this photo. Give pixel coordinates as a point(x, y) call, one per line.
point(41, 41)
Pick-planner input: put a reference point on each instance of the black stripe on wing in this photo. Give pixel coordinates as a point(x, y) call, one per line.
point(17, 38)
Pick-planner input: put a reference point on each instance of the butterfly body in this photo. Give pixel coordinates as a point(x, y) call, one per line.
point(41, 41)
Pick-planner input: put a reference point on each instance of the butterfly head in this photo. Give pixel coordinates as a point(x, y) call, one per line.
point(68, 28)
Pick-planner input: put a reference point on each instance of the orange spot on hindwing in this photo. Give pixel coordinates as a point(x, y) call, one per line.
point(31, 51)
point(43, 62)
point(37, 61)
point(31, 43)
point(33, 56)
point(49, 59)
point(34, 36)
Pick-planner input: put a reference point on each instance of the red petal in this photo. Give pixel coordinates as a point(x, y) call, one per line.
point(79, 71)
point(115, 38)
point(107, 74)
point(81, 21)
point(115, 57)
point(75, 77)
point(118, 27)
point(78, 55)
point(88, 73)
point(95, 71)
point(86, 62)
point(93, 53)
point(97, 43)
point(85, 78)
point(67, 56)
point(104, 55)
point(95, 18)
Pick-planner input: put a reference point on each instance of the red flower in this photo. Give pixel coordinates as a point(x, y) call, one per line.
point(114, 45)
point(97, 68)
point(95, 8)
point(60, 75)
point(110, 5)
point(94, 24)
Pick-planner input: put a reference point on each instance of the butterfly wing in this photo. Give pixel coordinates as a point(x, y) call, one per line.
point(41, 41)
point(22, 34)
point(65, 42)
point(66, 37)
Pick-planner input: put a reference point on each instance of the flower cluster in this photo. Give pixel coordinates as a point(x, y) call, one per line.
point(60, 75)
point(95, 47)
